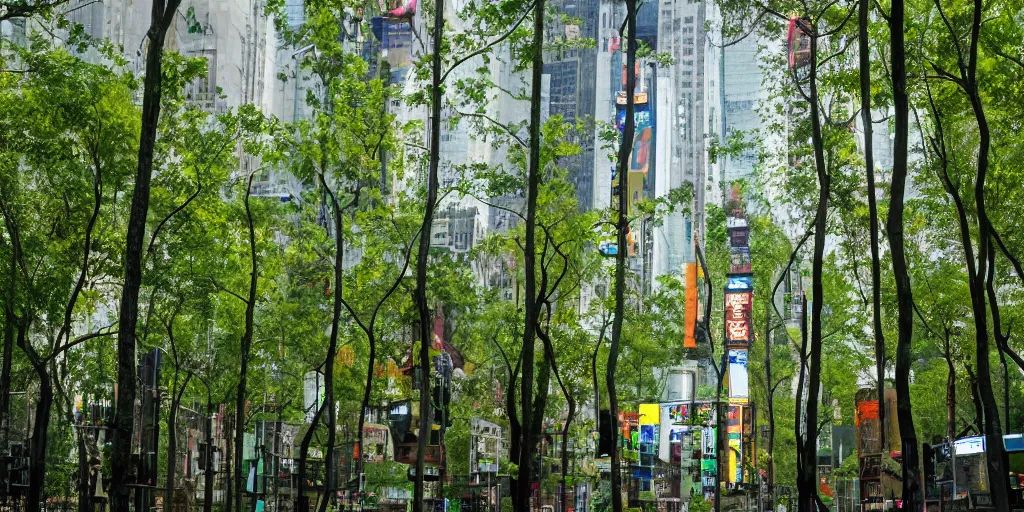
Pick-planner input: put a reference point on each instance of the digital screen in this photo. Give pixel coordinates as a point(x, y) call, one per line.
point(969, 445)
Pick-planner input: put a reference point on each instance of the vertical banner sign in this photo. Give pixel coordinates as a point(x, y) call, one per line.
point(690, 315)
point(737, 318)
point(738, 385)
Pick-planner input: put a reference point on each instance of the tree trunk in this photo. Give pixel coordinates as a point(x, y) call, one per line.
point(770, 401)
point(422, 254)
point(332, 348)
point(172, 440)
point(950, 392)
point(869, 166)
point(565, 449)
point(514, 427)
point(622, 227)
point(307, 438)
point(5, 375)
point(84, 476)
point(807, 477)
point(530, 424)
point(208, 476)
point(801, 386)
point(910, 461)
point(37, 451)
point(997, 458)
point(246, 347)
point(721, 420)
point(128, 312)
point(229, 494)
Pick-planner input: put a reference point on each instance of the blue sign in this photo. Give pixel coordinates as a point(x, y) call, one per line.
point(740, 283)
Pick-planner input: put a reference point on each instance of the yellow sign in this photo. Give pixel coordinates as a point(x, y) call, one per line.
point(650, 414)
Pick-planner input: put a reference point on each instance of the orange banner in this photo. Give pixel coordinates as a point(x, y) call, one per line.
point(690, 315)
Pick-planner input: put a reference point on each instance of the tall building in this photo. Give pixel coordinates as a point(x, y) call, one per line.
point(571, 88)
point(742, 94)
point(688, 116)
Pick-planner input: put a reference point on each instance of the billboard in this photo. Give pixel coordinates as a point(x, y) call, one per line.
point(737, 318)
point(739, 283)
point(734, 430)
point(643, 134)
point(739, 260)
point(739, 237)
point(739, 390)
point(636, 191)
point(690, 314)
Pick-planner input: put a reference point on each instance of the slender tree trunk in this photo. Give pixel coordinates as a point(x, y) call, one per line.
point(950, 392)
point(721, 420)
point(997, 458)
point(84, 489)
point(172, 440)
point(622, 227)
point(869, 165)
point(979, 409)
point(910, 461)
point(515, 428)
point(246, 348)
point(565, 447)
point(128, 313)
point(307, 439)
point(801, 387)
point(229, 491)
point(422, 255)
point(807, 478)
point(770, 402)
point(37, 450)
point(530, 424)
point(208, 475)
point(332, 348)
point(5, 374)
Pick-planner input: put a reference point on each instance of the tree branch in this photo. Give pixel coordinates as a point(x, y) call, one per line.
point(484, 49)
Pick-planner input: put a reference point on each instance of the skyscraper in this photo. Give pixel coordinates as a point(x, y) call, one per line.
point(572, 84)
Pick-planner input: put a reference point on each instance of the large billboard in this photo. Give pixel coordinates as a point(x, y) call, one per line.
point(643, 135)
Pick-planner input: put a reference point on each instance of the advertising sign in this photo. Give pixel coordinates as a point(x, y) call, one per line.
point(690, 315)
point(969, 445)
point(738, 385)
point(636, 191)
point(643, 135)
point(737, 318)
point(739, 260)
point(735, 472)
point(739, 283)
point(739, 237)
point(649, 414)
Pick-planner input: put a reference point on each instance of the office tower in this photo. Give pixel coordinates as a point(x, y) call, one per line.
point(688, 116)
point(571, 89)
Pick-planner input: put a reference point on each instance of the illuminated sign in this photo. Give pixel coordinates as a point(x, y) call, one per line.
point(737, 318)
point(739, 284)
point(969, 445)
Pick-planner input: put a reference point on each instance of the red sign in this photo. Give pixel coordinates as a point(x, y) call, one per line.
point(737, 318)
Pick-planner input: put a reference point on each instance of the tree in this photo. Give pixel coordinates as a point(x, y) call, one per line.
point(621, 226)
point(65, 122)
point(162, 16)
